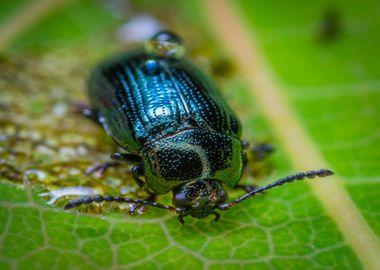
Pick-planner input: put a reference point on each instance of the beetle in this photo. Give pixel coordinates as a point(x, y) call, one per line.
point(173, 122)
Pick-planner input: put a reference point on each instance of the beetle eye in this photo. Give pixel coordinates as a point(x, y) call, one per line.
point(222, 196)
point(180, 200)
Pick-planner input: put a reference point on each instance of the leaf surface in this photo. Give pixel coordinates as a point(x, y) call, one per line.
point(333, 89)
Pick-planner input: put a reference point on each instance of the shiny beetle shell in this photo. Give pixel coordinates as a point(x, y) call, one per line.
point(165, 110)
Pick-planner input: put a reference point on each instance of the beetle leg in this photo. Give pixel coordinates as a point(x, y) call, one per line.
point(244, 158)
point(261, 150)
point(152, 197)
point(180, 219)
point(253, 158)
point(139, 208)
point(245, 144)
point(246, 188)
point(99, 169)
point(126, 157)
point(87, 111)
point(217, 216)
point(258, 151)
point(138, 171)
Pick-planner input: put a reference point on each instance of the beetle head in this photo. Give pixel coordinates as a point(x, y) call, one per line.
point(199, 198)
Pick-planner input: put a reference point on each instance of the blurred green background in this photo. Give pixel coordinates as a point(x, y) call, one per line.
point(324, 59)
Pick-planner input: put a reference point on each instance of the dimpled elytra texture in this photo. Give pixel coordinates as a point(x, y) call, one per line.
point(139, 106)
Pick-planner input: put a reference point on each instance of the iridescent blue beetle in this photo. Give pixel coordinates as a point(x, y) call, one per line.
point(173, 122)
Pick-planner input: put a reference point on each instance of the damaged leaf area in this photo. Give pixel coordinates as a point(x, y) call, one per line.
point(47, 148)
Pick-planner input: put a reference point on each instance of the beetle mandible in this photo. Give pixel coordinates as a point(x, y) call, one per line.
point(175, 126)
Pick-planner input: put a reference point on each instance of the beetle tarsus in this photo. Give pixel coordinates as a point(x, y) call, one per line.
point(140, 209)
point(181, 220)
point(137, 209)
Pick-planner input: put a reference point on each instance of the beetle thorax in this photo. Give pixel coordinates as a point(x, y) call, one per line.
point(189, 155)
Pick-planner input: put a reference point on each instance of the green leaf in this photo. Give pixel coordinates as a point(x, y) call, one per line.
point(331, 87)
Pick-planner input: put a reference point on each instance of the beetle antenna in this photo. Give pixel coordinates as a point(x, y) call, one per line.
point(99, 198)
point(279, 182)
